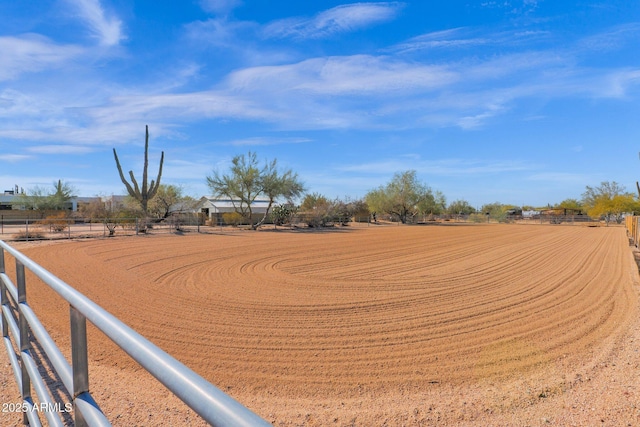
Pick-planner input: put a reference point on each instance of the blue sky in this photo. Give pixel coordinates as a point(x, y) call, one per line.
point(514, 101)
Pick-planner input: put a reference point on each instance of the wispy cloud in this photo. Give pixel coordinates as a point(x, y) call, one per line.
point(559, 178)
point(611, 39)
point(107, 29)
point(220, 32)
point(469, 38)
point(264, 141)
point(513, 7)
point(219, 6)
point(31, 53)
point(344, 75)
point(451, 38)
point(444, 167)
point(340, 19)
point(368, 91)
point(60, 149)
point(13, 158)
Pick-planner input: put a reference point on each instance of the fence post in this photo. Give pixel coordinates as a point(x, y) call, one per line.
point(79, 360)
point(3, 296)
point(25, 346)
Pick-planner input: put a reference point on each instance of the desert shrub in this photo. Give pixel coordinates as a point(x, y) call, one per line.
point(232, 218)
point(56, 222)
point(317, 211)
point(475, 217)
point(282, 214)
point(111, 226)
point(30, 235)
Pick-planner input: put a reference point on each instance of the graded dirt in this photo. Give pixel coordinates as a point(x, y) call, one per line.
point(380, 325)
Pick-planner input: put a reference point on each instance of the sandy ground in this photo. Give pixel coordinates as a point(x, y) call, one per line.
point(425, 325)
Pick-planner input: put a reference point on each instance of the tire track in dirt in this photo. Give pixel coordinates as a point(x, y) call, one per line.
point(298, 315)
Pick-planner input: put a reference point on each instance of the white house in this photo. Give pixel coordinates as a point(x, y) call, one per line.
point(214, 207)
point(8, 202)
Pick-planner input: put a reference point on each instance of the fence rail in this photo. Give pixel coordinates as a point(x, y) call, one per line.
point(20, 322)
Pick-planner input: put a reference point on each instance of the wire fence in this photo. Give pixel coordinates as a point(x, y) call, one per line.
point(52, 228)
point(69, 228)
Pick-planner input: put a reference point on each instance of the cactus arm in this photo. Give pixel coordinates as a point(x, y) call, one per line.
point(153, 187)
point(136, 188)
point(146, 160)
point(130, 190)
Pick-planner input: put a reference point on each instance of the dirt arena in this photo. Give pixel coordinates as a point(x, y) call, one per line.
point(382, 325)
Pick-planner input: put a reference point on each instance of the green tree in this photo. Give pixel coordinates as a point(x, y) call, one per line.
point(404, 196)
point(317, 210)
point(609, 200)
point(572, 204)
point(166, 197)
point(496, 211)
point(606, 189)
point(460, 207)
point(247, 181)
point(276, 184)
point(60, 199)
point(39, 199)
point(146, 191)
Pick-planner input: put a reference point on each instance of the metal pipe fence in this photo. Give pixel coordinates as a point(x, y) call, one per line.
point(21, 329)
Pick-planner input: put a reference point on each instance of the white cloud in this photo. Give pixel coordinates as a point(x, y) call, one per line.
point(560, 178)
point(59, 149)
point(451, 38)
point(107, 29)
point(443, 167)
point(340, 19)
point(13, 158)
point(612, 39)
point(221, 32)
point(475, 121)
point(219, 6)
point(32, 53)
point(466, 38)
point(343, 75)
point(264, 141)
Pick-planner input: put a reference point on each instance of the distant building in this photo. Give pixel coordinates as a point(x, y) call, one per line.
point(113, 203)
point(9, 198)
point(215, 207)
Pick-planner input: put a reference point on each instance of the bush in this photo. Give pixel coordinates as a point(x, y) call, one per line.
point(282, 214)
point(111, 226)
point(58, 222)
point(478, 218)
point(31, 235)
point(232, 218)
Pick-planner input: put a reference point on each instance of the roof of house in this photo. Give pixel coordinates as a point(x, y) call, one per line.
point(222, 204)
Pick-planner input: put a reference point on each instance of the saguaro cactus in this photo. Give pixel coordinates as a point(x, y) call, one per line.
point(146, 192)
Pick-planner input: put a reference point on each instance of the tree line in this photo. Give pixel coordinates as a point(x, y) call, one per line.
point(404, 198)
